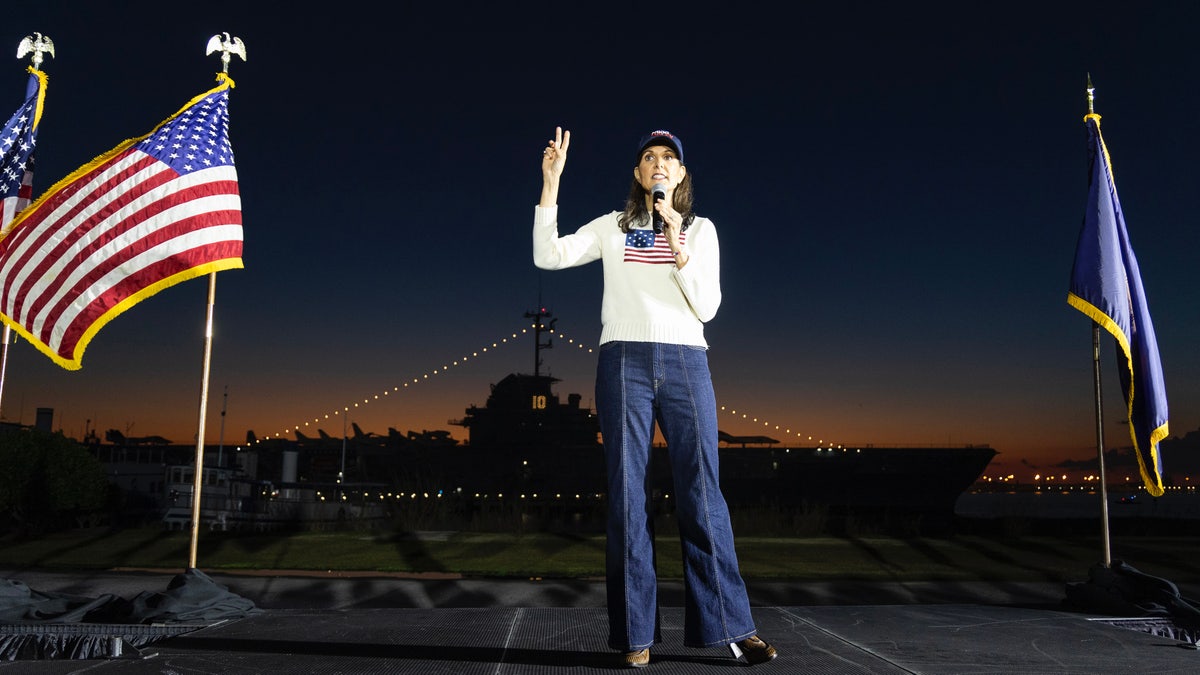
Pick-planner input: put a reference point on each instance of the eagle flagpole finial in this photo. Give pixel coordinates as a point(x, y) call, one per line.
point(38, 45)
point(226, 46)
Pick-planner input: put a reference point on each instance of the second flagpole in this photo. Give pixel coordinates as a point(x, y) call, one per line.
point(226, 47)
point(198, 478)
point(1107, 541)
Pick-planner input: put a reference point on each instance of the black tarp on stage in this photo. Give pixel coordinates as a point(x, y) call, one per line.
point(48, 625)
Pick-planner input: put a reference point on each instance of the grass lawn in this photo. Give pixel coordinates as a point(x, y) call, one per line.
point(547, 555)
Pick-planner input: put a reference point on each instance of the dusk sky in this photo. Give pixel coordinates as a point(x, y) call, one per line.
point(898, 190)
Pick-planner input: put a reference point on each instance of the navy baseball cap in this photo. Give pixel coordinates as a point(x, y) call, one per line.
point(661, 137)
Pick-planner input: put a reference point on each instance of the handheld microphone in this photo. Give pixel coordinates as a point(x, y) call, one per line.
point(659, 192)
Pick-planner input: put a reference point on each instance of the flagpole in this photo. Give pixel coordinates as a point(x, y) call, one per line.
point(1100, 445)
point(226, 47)
point(198, 478)
point(4, 364)
point(1105, 533)
point(36, 46)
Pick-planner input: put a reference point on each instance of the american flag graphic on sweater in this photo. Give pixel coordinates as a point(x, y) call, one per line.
point(644, 246)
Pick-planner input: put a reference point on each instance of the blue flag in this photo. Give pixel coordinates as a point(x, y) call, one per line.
point(1107, 286)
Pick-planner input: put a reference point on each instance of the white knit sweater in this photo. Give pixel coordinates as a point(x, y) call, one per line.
point(643, 301)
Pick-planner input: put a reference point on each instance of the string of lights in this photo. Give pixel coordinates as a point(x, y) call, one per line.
point(425, 377)
point(776, 428)
point(745, 416)
point(406, 384)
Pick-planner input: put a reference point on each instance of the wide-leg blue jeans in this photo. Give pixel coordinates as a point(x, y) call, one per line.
point(637, 385)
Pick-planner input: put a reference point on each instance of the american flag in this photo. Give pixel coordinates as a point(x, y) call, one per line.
point(644, 246)
point(17, 141)
point(150, 213)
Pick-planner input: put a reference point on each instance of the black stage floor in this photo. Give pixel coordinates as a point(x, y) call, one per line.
point(382, 626)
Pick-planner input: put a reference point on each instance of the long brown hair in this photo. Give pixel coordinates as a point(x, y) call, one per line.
point(635, 205)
